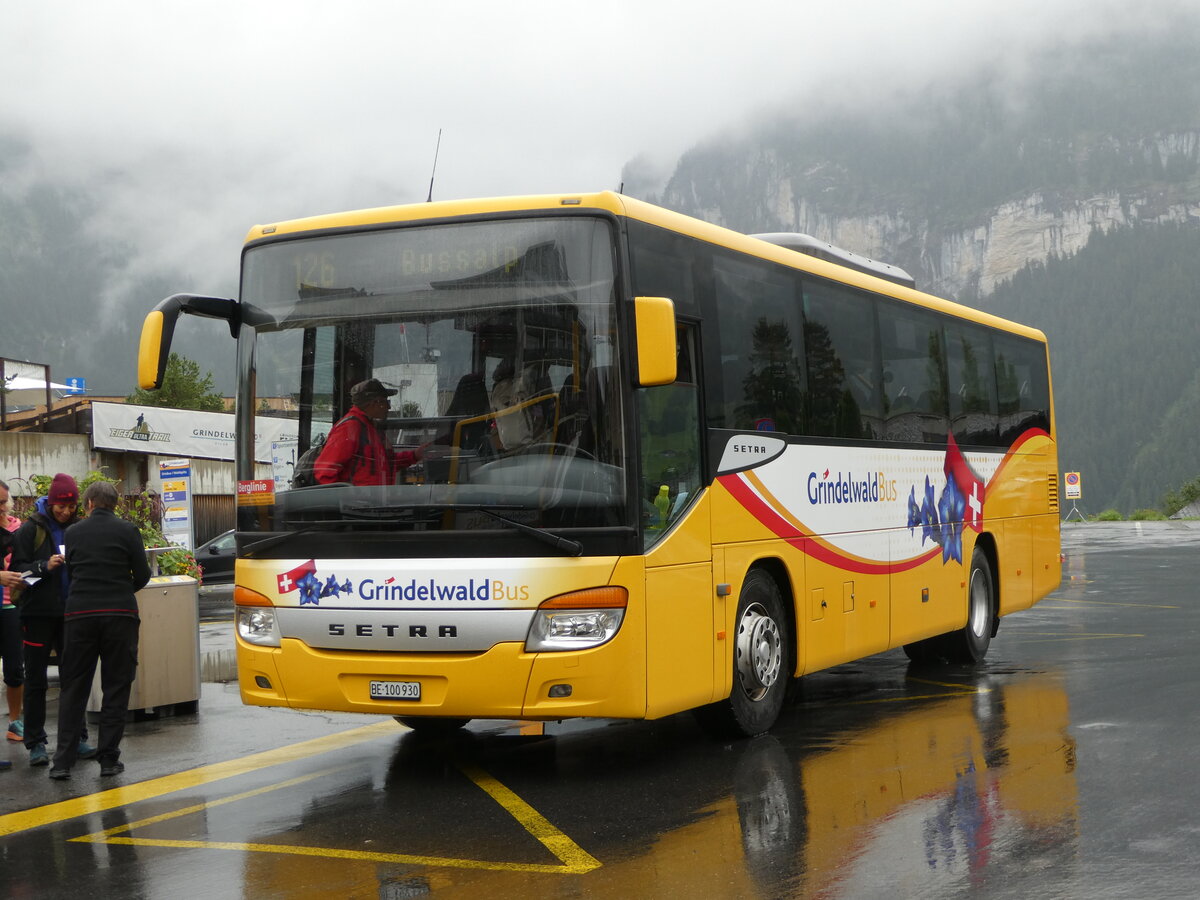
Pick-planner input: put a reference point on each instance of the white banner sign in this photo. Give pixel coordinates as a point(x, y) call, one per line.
point(185, 432)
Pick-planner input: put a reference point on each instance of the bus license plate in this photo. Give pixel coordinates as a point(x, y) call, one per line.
point(395, 690)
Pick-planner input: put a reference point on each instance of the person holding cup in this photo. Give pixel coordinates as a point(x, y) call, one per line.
point(36, 554)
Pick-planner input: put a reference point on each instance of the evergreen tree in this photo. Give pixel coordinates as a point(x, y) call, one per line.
point(182, 388)
point(772, 387)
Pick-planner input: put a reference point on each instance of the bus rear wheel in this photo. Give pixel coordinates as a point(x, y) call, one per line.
point(429, 725)
point(970, 645)
point(925, 653)
point(761, 663)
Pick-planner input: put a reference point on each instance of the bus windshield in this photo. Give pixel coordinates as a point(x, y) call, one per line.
point(496, 343)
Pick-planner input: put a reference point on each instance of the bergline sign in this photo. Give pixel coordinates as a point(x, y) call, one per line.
point(184, 432)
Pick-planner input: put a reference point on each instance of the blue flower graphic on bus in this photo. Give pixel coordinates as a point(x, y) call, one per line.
point(304, 579)
point(943, 519)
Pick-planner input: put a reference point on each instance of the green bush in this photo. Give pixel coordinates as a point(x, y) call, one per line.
point(1109, 515)
point(1174, 501)
point(1148, 515)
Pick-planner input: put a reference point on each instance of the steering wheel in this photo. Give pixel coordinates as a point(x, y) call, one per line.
point(549, 447)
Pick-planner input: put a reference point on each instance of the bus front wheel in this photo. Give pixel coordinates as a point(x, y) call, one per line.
point(761, 663)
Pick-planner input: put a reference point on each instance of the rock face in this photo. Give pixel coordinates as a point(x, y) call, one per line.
point(762, 192)
point(973, 261)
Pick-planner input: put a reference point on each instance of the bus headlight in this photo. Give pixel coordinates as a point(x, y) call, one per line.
point(578, 620)
point(257, 625)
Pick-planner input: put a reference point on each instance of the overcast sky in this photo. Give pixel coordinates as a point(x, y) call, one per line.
point(192, 122)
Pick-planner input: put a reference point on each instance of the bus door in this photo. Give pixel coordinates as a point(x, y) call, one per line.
point(680, 654)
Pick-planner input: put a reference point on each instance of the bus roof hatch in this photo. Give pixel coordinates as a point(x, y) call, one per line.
point(804, 243)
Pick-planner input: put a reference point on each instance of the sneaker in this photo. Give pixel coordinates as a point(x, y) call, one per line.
point(112, 768)
point(38, 755)
point(5, 764)
point(16, 730)
point(60, 774)
point(85, 751)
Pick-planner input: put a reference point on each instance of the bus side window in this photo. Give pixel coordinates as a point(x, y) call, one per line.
point(761, 335)
point(914, 374)
point(974, 417)
point(670, 441)
point(1022, 387)
point(841, 351)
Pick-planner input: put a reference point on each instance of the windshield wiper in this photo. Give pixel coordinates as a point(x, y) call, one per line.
point(572, 548)
point(389, 513)
point(279, 538)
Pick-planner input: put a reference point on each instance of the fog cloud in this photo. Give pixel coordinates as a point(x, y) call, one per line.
point(189, 124)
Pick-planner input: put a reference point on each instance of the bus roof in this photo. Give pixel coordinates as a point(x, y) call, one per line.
point(766, 246)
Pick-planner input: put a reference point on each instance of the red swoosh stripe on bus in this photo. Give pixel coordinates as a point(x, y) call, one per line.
point(810, 544)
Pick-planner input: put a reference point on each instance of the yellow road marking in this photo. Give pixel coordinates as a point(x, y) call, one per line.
point(953, 690)
point(357, 855)
point(966, 692)
point(1051, 637)
point(1073, 634)
point(575, 860)
point(951, 685)
point(1108, 603)
point(168, 784)
point(99, 836)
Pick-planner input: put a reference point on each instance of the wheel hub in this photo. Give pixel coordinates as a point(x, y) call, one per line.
point(759, 651)
point(979, 603)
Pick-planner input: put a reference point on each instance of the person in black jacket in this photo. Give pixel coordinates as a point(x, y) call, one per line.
point(107, 562)
point(35, 550)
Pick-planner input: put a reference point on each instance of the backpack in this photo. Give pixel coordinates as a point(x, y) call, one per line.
point(17, 595)
point(302, 472)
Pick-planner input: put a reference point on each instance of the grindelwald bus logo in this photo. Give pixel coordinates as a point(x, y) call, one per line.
point(313, 588)
point(849, 487)
point(139, 432)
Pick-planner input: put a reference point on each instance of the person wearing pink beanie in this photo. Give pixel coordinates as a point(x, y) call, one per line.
point(36, 550)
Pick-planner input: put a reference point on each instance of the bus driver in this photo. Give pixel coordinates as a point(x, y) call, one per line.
point(355, 450)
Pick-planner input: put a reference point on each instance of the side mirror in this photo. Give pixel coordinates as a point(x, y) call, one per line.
point(655, 324)
point(154, 348)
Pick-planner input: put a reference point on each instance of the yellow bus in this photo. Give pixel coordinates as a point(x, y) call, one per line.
point(659, 465)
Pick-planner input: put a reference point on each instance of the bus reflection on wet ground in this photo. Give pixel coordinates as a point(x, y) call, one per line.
point(874, 769)
point(881, 780)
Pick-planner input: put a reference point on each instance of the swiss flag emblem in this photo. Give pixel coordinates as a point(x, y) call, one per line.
point(290, 581)
point(969, 485)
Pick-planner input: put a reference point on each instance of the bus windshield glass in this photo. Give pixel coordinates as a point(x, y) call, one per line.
point(494, 344)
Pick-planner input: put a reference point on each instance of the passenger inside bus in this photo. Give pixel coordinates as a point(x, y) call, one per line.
point(524, 404)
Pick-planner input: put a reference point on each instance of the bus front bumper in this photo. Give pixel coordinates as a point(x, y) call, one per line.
point(505, 682)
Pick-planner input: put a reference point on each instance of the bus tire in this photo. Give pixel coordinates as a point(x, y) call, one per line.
point(970, 644)
point(431, 725)
point(762, 655)
point(925, 653)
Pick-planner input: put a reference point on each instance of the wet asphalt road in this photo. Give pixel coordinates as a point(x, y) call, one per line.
point(216, 602)
point(1063, 767)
